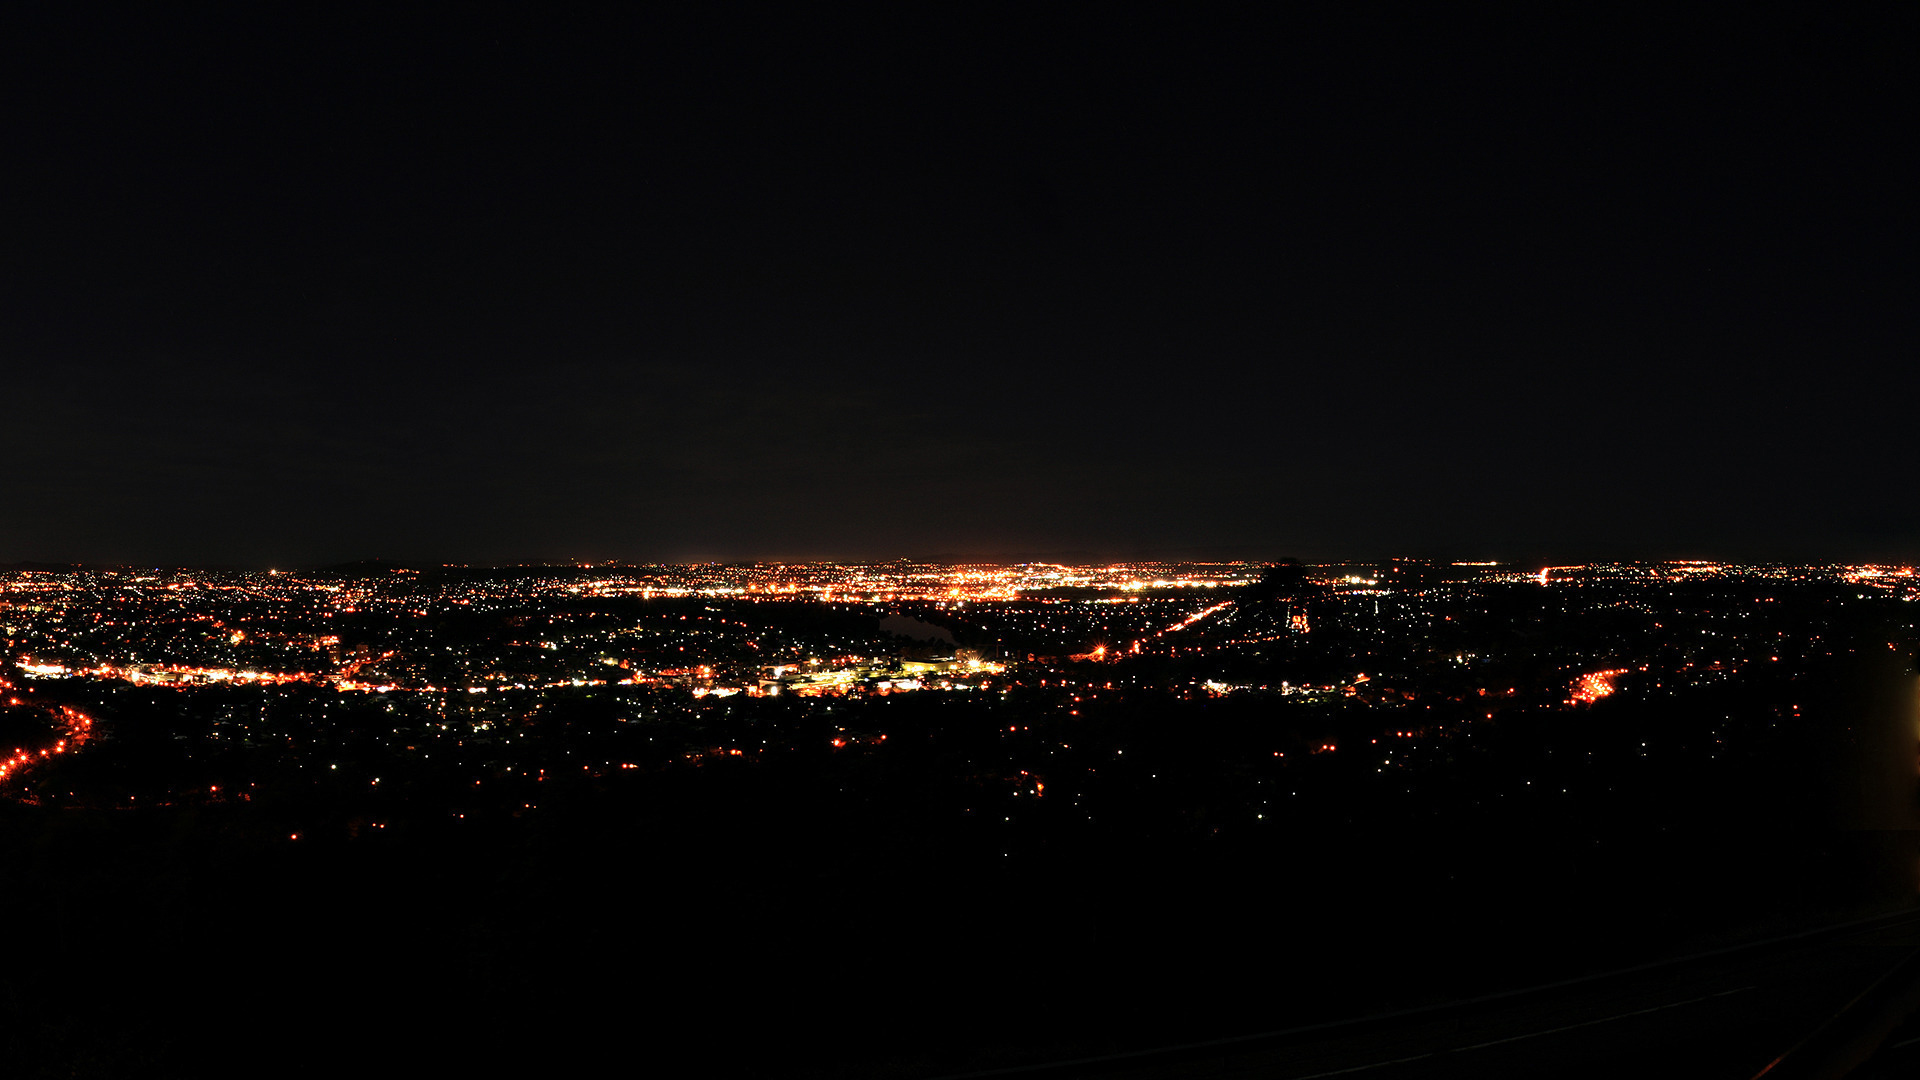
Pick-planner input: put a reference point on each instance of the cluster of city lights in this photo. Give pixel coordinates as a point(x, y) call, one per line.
point(1595, 685)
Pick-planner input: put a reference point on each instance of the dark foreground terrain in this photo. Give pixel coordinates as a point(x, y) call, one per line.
point(161, 947)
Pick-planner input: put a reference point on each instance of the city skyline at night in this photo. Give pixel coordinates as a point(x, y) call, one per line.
point(1137, 771)
point(837, 544)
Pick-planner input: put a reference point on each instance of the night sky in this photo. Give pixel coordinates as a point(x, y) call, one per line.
point(500, 284)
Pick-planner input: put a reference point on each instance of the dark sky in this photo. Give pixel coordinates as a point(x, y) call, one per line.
point(504, 284)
